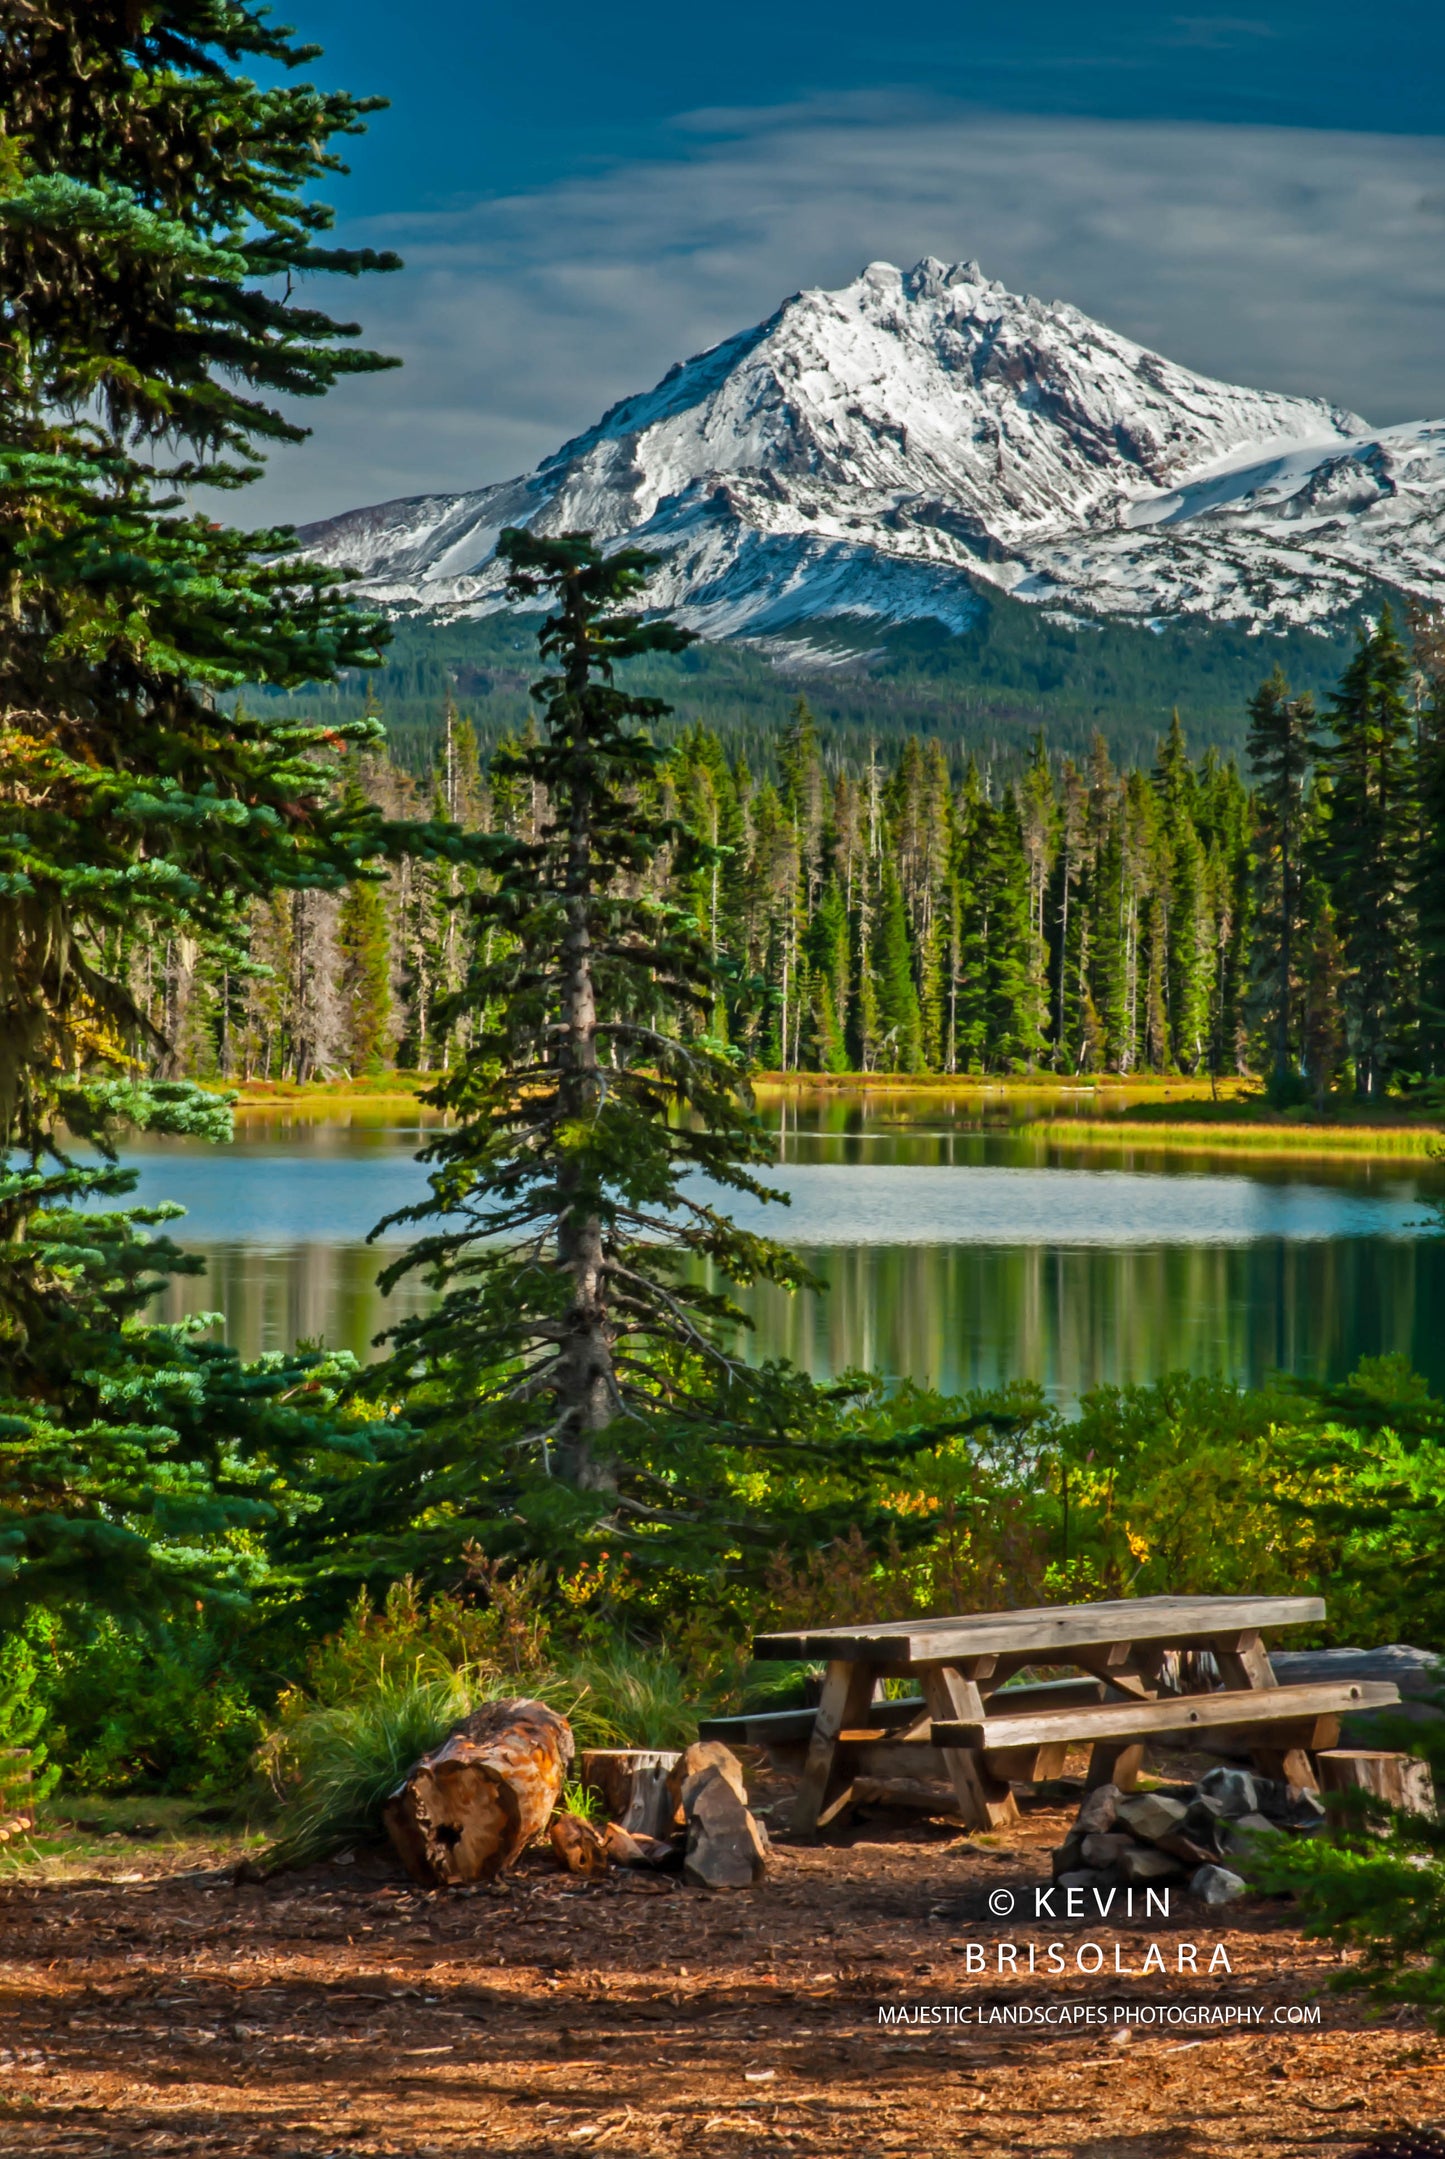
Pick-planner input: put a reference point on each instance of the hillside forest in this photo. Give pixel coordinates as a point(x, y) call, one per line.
point(906, 916)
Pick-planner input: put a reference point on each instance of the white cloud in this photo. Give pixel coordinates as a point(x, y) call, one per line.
point(1294, 260)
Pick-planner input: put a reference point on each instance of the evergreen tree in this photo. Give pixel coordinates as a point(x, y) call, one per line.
point(1368, 850)
point(827, 953)
point(364, 946)
point(899, 1021)
point(1429, 639)
point(574, 1377)
point(153, 217)
point(1281, 750)
point(1322, 1019)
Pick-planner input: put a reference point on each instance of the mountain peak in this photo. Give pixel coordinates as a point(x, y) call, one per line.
point(877, 448)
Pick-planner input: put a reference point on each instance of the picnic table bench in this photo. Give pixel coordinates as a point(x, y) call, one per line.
point(982, 1732)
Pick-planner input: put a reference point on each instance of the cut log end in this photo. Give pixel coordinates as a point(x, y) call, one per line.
point(466, 1811)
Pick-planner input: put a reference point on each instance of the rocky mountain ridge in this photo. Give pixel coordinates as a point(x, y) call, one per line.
point(876, 451)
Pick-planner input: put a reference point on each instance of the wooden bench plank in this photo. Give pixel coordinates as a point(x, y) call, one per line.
point(1172, 1713)
point(1047, 1632)
point(779, 1727)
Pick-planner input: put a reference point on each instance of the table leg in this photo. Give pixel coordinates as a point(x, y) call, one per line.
point(985, 1802)
point(1114, 1761)
point(847, 1692)
point(1246, 1664)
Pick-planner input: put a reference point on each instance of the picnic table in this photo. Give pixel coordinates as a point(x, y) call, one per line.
point(984, 1732)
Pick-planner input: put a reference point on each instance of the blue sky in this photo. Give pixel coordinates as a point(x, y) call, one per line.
point(584, 195)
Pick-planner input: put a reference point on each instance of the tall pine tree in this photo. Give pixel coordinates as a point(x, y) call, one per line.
point(575, 1379)
point(1281, 756)
point(1368, 849)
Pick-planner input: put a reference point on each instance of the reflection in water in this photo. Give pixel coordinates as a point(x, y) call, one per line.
point(968, 1315)
point(964, 1315)
point(319, 1293)
point(958, 1253)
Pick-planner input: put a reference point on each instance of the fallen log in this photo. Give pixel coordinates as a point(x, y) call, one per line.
point(467, 1810)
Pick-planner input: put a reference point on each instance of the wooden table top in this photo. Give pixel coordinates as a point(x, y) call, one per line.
point(1047, 1631)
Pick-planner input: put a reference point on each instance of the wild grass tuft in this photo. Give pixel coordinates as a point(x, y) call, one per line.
point(333, 1766)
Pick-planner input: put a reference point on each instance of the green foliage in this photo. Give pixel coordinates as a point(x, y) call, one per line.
point(170, 1709)
point(26, 1775)
point(137, 1461)
point(331, 1769)
point(1366, 847)
point(1375, 1884)
point(1281, 752)
point(984, 693)
point(153, 217)
point(155, 200)
point(573, 1390)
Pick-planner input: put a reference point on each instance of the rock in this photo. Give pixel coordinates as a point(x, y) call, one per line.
point(1416, 1672)
point(1286, 1803)
point(1236, 1835)
point(1150, 1815)
point(726, 1847)
point(1202, 1817)
point(1088, 1878)
point(1143, 1865)
point(701, 1755)
point(1216, 1885)
point(1105, 1848)
point(579, 1847)
point(1193, 1853)
point(1069, 1854)
point(1098, 1809)
point(1235, 1789)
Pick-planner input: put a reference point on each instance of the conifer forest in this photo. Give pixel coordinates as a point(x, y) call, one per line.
point(903, 915)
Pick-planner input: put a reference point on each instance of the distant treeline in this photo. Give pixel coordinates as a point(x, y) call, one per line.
point(884, 916)
point(984, 693)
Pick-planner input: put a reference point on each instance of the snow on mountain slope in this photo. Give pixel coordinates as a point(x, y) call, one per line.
point(877, 450)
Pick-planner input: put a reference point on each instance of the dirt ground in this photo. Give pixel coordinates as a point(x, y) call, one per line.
point(150, 2006)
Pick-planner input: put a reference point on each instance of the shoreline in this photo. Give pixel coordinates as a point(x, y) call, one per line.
point(1132, 1110)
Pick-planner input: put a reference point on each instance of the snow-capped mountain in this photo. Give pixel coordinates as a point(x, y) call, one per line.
point(873, 452)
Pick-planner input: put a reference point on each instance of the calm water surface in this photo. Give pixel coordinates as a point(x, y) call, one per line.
point(956, 1254)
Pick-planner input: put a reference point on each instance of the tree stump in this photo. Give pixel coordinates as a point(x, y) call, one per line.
point(632, 1783)
point(468, 1809)
point(1399, 1779)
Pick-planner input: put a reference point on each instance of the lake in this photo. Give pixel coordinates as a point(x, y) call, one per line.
point(958, 1252)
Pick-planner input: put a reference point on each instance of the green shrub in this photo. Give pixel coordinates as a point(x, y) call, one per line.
point(331, 1767)
point(25, 1774)
point(173, 1709)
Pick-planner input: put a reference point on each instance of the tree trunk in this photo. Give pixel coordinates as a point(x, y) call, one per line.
point(585, 1377)
point(466, 1811)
